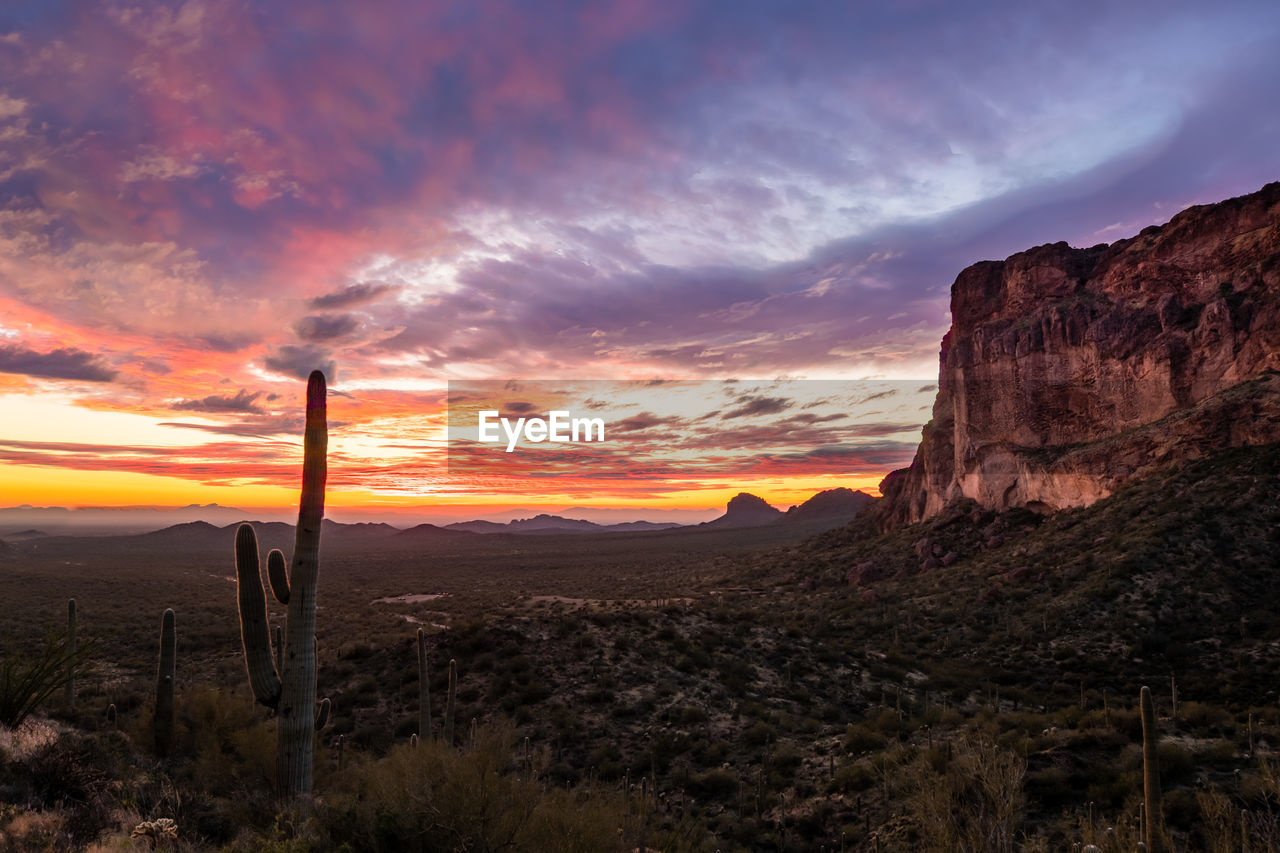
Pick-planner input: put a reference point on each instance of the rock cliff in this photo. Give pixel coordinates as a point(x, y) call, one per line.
point(1067, 371)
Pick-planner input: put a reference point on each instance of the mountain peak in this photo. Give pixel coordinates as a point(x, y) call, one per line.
point(745, 510)
point(745, 500)
point(838, 503)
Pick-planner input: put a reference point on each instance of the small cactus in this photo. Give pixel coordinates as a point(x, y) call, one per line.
point(413, 741)
point(111, 715)
point(450, 702)
point(71, 647)
point(155, 831)
point(166, 674)
point(1150, 772)
point(424, 688)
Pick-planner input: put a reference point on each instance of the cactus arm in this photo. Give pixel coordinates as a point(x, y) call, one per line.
point(165, 676)
point(295, 725)
point(322, 716)
point(278, 576)
point(255, 631)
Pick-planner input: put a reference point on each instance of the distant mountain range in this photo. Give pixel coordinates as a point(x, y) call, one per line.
point(835, 506)
point(28, 521)
point(544, 523)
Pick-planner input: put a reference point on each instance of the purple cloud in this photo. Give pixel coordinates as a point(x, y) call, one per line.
point(352, 294)
point(326, 327)
point(298, 362)
point(64, 363)
point(243, 401)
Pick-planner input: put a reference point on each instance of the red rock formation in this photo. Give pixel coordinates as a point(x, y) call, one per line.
point(1067, 371)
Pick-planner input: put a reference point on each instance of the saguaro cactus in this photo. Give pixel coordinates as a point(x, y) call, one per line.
point(166, 674)
point(289, 687)
point(450, 702)
point(71, 646)
point(424, 689)
point(1151, 772)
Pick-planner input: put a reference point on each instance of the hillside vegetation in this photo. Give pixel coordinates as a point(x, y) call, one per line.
point(966, 683)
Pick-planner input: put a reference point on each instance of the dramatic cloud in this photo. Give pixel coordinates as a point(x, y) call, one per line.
point(243, 401)
point(326, 327)
point(300, 361)
point(749, 405)
point(57, 364)
point(352, 294)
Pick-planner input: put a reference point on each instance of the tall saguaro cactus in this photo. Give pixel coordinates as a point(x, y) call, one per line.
point(166, 674)
point(450, 702)
point(289, 685)
point(1151, 772)
point(424, 689)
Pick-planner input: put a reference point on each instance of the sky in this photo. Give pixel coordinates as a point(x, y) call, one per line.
point(200, 202)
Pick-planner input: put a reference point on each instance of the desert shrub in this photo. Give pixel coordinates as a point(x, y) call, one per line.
point(861, 738)
point(717, 784)
point(759, 734)
point(433, 798)
point(852, 778)
point(27, 680)
point(1204, 719)
point(974, 805)
point(888, 722)
point(1220, 822)
point(691, 714)
point(712, 753)
point(66, 773)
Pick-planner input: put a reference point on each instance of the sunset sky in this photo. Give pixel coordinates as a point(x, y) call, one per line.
point(200, 202)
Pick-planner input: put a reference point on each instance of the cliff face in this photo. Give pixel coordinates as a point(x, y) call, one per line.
point(1067, 371)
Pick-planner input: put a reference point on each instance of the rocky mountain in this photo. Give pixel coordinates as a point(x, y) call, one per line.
point(744, 510)
point(1068, 371)
point(839, 504)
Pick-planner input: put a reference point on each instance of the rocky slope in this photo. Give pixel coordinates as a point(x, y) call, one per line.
point(1068, 371)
